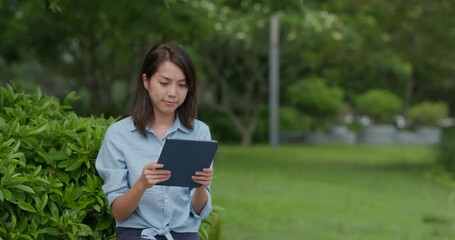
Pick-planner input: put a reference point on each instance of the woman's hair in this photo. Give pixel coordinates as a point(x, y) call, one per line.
point(142, 112)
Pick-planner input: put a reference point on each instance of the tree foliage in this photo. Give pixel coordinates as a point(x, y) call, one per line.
point(380, 105)
point(428, 113)
point(315, 98)
point(96, 48)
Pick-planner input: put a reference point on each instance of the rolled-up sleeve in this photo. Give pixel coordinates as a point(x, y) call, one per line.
point(111, 166)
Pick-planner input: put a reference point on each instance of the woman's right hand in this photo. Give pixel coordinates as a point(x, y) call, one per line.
point(123, 206)
point(153, 174)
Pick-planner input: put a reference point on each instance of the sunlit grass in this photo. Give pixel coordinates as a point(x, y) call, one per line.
point(332, 192)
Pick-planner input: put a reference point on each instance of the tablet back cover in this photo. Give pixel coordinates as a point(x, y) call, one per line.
point(184, 158)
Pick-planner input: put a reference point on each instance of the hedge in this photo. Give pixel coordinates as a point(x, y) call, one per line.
point(49, 186)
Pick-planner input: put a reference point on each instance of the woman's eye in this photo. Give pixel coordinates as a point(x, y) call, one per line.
point(163, 83)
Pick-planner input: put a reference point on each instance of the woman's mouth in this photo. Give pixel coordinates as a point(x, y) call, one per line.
point(169, 103)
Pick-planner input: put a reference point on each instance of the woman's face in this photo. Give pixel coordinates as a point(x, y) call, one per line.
point(167, 89)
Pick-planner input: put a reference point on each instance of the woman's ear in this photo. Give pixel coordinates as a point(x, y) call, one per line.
point(145, 81)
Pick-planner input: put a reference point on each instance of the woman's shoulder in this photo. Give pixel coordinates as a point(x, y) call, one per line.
point(123, 125)
point(201, 130)
point(198, 124)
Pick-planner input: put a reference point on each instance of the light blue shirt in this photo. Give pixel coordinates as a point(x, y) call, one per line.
point(120, 161)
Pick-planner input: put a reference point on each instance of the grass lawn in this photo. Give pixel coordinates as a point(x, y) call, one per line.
point(332, 192)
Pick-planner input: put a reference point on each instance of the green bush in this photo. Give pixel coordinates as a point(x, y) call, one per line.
point(380, 105)
point(291, 119)
point(315, 98)
point(210, 228)
point(49, 185)
point(428, 113)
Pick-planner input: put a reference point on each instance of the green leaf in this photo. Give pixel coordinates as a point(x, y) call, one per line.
point(24, 188)
point(21, 225)
point(37, 170)
point(44, 202)
point(57, 156)
point(24, 236)
point(25, 206)
point(8, 143)
point(90, 181)
point(16, 146)
point(62, 164)
point(71, 236)
point(17, 179)
point(74, 147)
point(2, 124)
point(84, 230)
point(54, 209)
point(13, 221)
point(100, 200)
point(38, 129)
point(38, 93)
point(76, 193)
point(17, 155)
point(8, 195)
point(74, 165)
point(76, 174)
point(63, 176)
point(71, 97)
point(204, 233)
point(97, 208)
point(50, 230)
point(104, 223)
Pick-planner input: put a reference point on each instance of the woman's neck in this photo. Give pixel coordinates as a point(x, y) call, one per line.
point(161, 124)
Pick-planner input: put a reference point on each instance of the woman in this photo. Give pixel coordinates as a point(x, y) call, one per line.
point(165, 107)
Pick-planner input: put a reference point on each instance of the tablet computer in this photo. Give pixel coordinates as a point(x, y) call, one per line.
point(184, 158)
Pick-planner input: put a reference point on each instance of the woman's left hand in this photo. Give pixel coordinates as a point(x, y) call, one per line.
point(203, 177)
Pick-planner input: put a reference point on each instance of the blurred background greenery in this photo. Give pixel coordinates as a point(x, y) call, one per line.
point(338, 49)
point(338, 59)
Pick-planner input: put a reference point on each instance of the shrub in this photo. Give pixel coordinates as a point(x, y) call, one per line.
point(315, 98)
point(291, 119)
point(380, 105)
point(428, 113)
point(210, 228)
point(49, 185)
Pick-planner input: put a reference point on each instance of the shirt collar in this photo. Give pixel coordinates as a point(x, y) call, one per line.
point(176, 125)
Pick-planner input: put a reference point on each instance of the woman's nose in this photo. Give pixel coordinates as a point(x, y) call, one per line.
point(172, 90)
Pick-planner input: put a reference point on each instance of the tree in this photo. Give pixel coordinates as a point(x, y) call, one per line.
point(314, 97)
point(96, 48)
point(234, 63)
point(93, 47)
point(414, 36)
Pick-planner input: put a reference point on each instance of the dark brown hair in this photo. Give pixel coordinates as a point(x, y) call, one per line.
point(142, 108)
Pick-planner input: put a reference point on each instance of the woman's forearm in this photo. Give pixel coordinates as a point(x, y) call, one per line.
point(125, 205)
point(199, 200)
